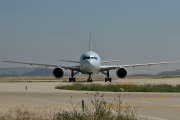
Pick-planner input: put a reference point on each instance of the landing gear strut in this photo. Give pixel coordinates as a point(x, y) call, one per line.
point(72, 78)
point(89, 79)
point(107, 74)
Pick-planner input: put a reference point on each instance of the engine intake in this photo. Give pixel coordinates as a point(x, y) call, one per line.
point(58, 72)
point(121, 73)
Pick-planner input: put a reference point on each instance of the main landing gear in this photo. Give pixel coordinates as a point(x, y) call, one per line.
point(107, 74)
point(72, 78)
point(89, 79)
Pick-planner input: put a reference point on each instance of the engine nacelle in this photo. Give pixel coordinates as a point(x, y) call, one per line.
point(58, 72)
point(121, 73)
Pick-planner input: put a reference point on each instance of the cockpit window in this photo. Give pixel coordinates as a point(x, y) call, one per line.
point(88, 57)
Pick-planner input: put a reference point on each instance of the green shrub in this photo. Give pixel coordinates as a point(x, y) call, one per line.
point(123, 88)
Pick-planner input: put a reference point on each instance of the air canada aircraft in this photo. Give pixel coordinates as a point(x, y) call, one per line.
point(90, 63)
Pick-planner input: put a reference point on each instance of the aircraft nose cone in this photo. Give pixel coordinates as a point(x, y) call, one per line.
point(89, 62)
point(89, 66)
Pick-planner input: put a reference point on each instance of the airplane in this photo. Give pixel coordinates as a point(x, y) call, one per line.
point(90, 63)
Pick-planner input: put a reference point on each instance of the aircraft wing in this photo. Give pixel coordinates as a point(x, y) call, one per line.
point(70, 61)
point(109, 61)
point(104, 68)
point(75, 68)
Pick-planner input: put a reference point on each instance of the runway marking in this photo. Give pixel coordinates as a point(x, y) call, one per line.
point(153, 98)
point(175, 105)
point(158, 106)
point(147, 102)
point(65, 105)
point(151, 117)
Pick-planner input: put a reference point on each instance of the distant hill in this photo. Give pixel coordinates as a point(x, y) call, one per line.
point(24, 71)
point(175, 72)
point(39, 72)
point(16, 71)
point(42, 72)
point(135, 75)
point(29, 71)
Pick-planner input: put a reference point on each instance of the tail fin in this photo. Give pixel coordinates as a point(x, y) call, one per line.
point(90, 43)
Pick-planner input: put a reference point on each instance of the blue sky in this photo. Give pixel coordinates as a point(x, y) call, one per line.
point(133, 31)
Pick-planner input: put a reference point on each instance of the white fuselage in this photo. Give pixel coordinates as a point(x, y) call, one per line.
point(90, 63)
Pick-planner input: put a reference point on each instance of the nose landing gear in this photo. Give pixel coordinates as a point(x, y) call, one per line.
point(89, 79)
point(107, 74)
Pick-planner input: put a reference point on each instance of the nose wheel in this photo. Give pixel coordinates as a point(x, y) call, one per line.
point(72, 78)
point(89, 79)
point(107, 74)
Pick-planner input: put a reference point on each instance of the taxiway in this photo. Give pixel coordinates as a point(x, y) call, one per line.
point(153, 106)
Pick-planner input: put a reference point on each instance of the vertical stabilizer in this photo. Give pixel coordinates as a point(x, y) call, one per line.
point(90, 42)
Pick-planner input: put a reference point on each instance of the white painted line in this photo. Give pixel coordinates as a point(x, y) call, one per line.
point(151, 117)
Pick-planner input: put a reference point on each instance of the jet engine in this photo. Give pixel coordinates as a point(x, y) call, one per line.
point(58, 72)
point(121, 73)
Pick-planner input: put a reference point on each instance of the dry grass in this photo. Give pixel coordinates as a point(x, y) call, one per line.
point(124, 84)
point(25, 79)
point(97, 109)
point(78, 78)
point(49, 79)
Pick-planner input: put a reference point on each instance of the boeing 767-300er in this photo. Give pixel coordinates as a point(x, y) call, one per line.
point(90, 63)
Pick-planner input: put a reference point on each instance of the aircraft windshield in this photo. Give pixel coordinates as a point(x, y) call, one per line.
point(88, 57)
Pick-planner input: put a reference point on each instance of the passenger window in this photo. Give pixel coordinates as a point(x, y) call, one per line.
point(92, 57)
point(95, 58)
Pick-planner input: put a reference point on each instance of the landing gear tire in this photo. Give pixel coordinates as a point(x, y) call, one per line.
point(107, 79)
point(72, 79)
point(89, 80)
point(107, 74)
